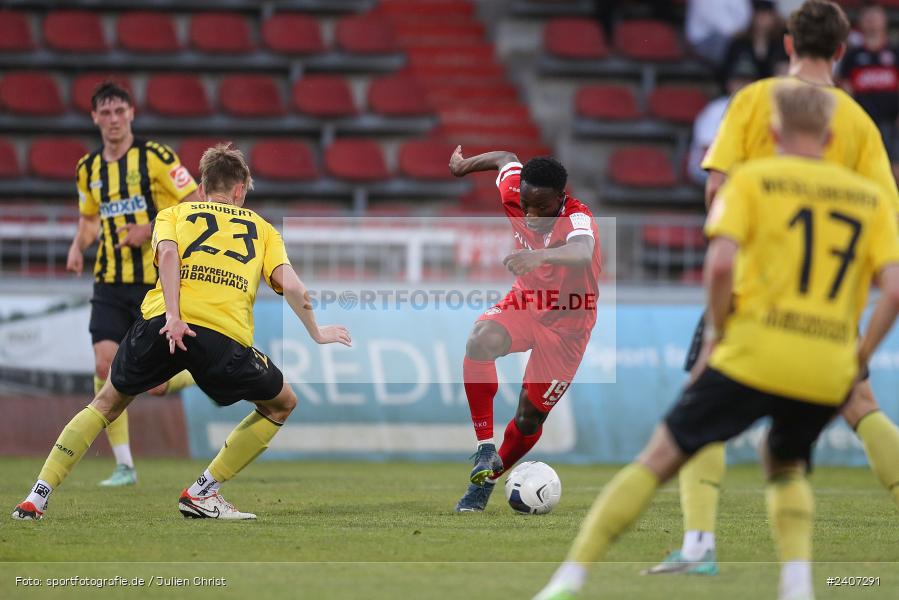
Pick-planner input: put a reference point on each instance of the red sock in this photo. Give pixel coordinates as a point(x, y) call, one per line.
point(480, 388)
point(515, 445)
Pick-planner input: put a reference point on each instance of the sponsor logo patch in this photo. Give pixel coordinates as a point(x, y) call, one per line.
point(180, 176)
point(493, 311)
point(128, 206)
point(41, 490)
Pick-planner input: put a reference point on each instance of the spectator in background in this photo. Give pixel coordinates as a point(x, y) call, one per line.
point(610, 12)
point(711, 24)
point(706, 125)
point(869, 72)
point(761, 44)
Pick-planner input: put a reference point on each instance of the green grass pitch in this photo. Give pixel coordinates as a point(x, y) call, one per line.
point(336, 531)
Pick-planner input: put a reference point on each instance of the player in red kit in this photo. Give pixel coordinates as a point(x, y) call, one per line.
point(550, 310)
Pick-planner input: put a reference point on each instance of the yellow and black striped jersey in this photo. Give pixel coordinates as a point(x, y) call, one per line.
point(147, 179)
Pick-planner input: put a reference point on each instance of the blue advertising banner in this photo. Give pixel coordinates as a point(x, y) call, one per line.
point(397, 394)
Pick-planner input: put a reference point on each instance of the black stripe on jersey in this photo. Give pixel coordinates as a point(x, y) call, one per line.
point(137, 255)
point(110, 222)
point(145, 179)
point(102, 259)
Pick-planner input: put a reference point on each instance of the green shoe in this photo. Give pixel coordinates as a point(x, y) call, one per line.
point(122, 475)
point(674, 564)
point(555, 592)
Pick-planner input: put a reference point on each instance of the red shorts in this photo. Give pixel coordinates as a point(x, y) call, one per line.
point(555, 356)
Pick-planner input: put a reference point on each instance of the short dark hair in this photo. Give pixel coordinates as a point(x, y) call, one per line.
point(109, 90)
point(545, 171)
point(818, 28)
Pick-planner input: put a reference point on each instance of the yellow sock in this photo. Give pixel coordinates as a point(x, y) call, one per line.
point(700, 486)
point(248, 440)
point(881, 440)
point(117, 431)
point(619, 505)
point(790, 511)
point(179, 382)
point(72, 444)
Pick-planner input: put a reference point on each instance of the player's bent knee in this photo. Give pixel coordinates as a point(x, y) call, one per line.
point(861, 403)
point(487, 341)
point(110, 402)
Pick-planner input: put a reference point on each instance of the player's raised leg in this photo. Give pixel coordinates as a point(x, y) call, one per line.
point(70, 447)
point(247, 441)
point(878, 434)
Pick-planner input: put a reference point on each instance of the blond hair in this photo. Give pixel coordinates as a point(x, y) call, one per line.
point(800, 108)
point(222, 167)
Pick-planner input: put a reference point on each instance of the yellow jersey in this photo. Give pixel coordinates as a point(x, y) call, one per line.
point(812, 235)
point(133, 189)
point(745, 134)
point(225, 251)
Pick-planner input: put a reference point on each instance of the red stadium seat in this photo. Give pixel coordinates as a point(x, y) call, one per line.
point(85, 85)
point(27, 93)
point(178, 95)
point(55, 158)
point(425, 159)
point(678, 104)
point(641, 166)
point(356, 160)
point(74, 31)
point(674, 236)
point(220, 32)
point(324, 96)
point(191, 151)
point(292, 33)
point(251, 96)
point(146, 31)
point(15, 32)
point(648, 40)
point(365, 34)
point(397, 95)
point(608, 102)
point(575, 39)
point(284, 160)
point(9, 160)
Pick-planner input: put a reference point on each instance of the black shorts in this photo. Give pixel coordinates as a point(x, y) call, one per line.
point(716, 408)
point(224, 369)
point(114, 308)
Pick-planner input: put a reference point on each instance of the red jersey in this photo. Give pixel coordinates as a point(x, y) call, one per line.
point(561, 296)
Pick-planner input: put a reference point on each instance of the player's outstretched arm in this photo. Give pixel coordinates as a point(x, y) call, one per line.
point(170, 278)
point(88, 231)
point(489, 161)
point(884, 314)
point(718, 276)
point(286, 279)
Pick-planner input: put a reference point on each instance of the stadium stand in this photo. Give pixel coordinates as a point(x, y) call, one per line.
point(356, 104)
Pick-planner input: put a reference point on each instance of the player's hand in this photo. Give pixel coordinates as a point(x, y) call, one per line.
point(134, 235)
point(523, 261)
point(456, 162)
point(174, 331)
point(333, 333)
point(75, 260)
point(702, 361)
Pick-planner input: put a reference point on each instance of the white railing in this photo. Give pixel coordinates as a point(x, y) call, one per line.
point(34, 242)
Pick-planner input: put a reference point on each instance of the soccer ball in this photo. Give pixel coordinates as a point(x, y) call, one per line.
point(533, 488)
